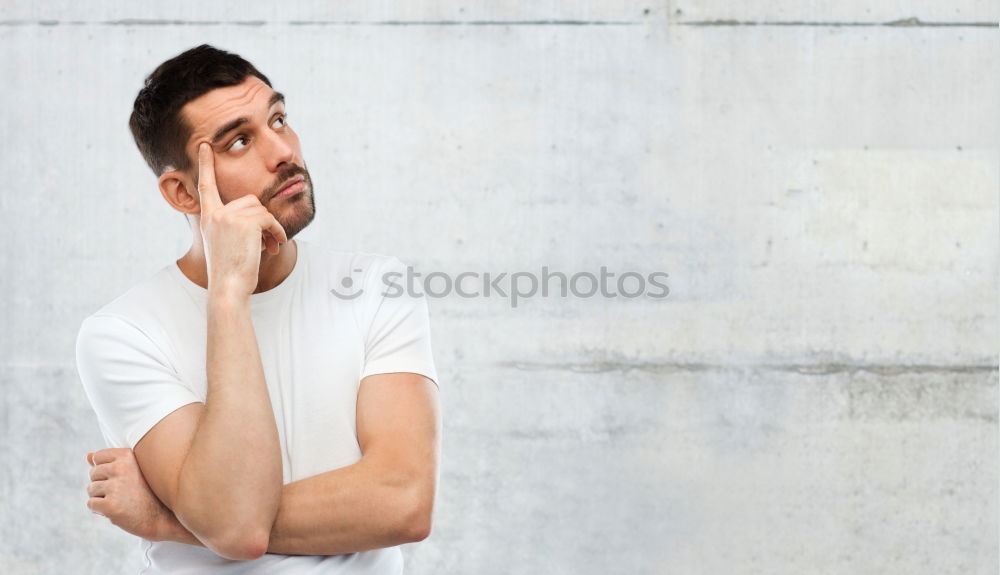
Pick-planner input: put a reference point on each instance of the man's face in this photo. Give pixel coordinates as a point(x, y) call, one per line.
point(256, 151)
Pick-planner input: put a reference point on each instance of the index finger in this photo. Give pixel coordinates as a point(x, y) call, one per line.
point(207, 192)
point(276, 230)
point(106, 455)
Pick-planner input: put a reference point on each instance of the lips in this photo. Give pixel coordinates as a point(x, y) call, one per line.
point(291, 187)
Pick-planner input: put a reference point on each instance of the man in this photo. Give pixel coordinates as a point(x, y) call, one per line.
point(261, 416)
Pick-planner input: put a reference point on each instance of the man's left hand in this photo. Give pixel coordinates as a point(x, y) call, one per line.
point(119, 492)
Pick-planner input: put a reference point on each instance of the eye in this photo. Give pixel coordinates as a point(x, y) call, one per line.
point(283, 118)
point(234, 146)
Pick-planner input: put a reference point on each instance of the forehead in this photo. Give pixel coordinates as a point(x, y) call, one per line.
point(208, 112)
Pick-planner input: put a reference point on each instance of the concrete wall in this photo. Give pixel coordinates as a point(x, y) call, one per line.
point(817, 394)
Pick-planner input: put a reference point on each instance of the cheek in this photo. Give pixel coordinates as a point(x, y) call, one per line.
point(234, 182)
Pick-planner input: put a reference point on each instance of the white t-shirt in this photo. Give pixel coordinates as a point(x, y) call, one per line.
point(142, 356)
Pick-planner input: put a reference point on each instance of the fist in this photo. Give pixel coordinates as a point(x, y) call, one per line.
point(119, 492)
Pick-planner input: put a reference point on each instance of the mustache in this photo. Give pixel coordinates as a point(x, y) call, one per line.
point(289, 171)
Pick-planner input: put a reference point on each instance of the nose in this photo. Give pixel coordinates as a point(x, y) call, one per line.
point(279, 151)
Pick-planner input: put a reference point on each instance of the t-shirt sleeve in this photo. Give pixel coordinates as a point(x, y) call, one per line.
point(399, 335)
point(127, 379)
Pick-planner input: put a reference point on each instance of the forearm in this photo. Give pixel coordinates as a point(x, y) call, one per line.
point(353, 508)
point(346, 510)
point(230, 483)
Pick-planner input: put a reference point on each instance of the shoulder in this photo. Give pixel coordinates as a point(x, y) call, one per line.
point(138, 308)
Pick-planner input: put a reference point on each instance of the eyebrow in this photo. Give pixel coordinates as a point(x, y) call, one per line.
point(230, 126)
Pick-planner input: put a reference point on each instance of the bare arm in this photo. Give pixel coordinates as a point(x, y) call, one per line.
point(383, 500)
point(229, 484)
point(341, 511)
point(218, 467)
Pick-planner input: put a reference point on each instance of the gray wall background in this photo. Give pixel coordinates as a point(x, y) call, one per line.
point(818, 393)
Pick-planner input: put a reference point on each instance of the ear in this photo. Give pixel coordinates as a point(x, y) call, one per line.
point(178, 189)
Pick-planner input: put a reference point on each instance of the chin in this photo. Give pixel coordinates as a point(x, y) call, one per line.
point(297, 217)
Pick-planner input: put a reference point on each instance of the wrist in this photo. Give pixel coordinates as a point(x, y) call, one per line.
point(227, 294)
point(167, 528)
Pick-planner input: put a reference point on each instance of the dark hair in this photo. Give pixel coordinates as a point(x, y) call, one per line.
point(156, 123)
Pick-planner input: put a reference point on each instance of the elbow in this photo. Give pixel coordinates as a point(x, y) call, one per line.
point(238, 542)
point(243, 537)
point(419, 532)
point(242, 545)
point(417, 523)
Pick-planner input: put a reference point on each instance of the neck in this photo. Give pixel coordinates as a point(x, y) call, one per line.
point(273, 268)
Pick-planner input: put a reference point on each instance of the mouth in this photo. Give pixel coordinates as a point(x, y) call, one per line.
point(291, 187)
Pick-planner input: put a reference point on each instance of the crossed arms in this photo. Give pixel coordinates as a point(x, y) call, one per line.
point(217, 467)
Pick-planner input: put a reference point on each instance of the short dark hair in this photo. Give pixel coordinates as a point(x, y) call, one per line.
point(156, 123)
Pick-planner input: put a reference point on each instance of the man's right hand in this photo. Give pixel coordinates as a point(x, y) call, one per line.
point(233, 234)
